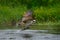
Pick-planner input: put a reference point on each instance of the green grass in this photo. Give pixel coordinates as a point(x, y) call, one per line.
point(48, 17)
point(45, 14)
point(42, 14)
point(8, 13)
point(50, 26)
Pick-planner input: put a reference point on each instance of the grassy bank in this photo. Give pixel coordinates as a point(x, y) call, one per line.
point(50, 26)
point(46, 12)
point(47, 17)
point(42, 14)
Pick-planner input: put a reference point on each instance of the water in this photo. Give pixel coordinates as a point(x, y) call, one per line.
point(27, 35)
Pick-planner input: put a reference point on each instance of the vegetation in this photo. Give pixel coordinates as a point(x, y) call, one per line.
point(45, 11)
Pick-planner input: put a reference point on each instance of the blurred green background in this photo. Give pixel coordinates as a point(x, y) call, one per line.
point(46, 12)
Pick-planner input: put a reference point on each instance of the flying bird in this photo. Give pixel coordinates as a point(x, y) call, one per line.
point(27, 20)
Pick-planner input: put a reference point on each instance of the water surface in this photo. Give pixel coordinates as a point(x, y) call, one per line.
point(27, 35)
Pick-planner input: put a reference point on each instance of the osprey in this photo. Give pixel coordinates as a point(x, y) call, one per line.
point(27, 20)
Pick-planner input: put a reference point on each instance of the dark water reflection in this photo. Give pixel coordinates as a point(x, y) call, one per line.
point(27, 35)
